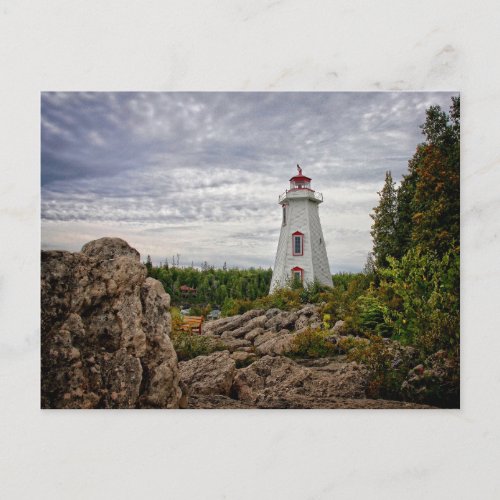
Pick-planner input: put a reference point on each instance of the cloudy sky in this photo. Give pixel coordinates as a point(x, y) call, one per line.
point(199, 174)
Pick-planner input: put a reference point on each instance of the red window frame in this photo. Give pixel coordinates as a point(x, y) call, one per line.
point(298, 269)
point(301, 235)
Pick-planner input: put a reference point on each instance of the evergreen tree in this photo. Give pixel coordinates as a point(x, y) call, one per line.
point(436, 202)
point(385, 223)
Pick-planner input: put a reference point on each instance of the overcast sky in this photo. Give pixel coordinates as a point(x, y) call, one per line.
point(199, 174)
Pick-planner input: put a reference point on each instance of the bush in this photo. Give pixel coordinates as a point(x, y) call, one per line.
point(312, 344)
point(379, 357)
point(429, 290)
point(189, 345)
point(371, 315)
point(341, 301)
point(283, 298)
point(232, 307)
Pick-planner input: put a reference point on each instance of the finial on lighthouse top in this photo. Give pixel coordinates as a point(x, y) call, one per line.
point(300, 181)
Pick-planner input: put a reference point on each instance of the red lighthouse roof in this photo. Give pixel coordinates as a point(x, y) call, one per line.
point(300, 177)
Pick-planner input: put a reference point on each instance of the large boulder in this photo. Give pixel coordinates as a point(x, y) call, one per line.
point(105, 331)
point(207, 375)
point(110, 248)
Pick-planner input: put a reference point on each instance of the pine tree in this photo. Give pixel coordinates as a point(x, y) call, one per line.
point(385, 223)
point(436, 202)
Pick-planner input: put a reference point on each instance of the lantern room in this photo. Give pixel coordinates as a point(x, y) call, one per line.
point(300, 181)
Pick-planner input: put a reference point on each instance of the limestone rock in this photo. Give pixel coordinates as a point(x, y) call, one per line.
point(272, 312)
point(212, 374)
point(339, 327)
point(264, 337)
point(284, 320)
point(110, 248)
point(281, 382)
point(232, 323)
point(233, 344)
point(257, 322)
point(242, 358)
point(105, 331)
point(252, 334)
point(302, 322)
point(276, 345)
point(210, 326)
point(308, 310)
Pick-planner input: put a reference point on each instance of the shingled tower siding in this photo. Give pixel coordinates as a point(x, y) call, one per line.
point(307, 259)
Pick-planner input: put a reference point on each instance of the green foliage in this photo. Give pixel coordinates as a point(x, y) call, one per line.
point(385, 222)
point(313, 293)
point(189, 345)
point(312, 343)
point(371, 314)
point(231, 307)
point(376, 355)
point(213, 286)
point(436, 203)
point(429, 289)
point(341, 301)
point(285, 299)
point(415, 291)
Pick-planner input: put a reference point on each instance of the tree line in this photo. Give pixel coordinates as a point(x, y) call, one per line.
point(214, 287)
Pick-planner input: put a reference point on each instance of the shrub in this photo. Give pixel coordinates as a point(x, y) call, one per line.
point(176, 316)
point(232, 307)
point(283, 298)
point(371, 314)
point(341, 301)
point(378, 356)
point(189, 345)
point(312, 344)
point(429, 290)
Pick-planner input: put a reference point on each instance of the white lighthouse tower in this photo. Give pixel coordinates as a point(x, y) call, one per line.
point(301, 249)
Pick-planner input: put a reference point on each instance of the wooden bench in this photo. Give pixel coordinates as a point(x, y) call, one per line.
point(192, 324)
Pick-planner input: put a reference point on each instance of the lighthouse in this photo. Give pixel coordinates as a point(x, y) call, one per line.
point(301, 253)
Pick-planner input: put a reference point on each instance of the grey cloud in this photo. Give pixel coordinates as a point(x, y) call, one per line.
point(186, 161)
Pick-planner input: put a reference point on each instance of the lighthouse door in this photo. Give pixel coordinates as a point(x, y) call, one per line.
point(298, 274)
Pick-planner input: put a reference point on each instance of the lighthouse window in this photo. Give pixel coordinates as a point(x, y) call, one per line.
point(298, 244)
point(284, 215)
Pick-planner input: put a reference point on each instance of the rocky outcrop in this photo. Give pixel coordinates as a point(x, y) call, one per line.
point(212, 374)
point(233, 323)
point(264, 332)
point(276, 345)
point(105, 331)
point(271, 379)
